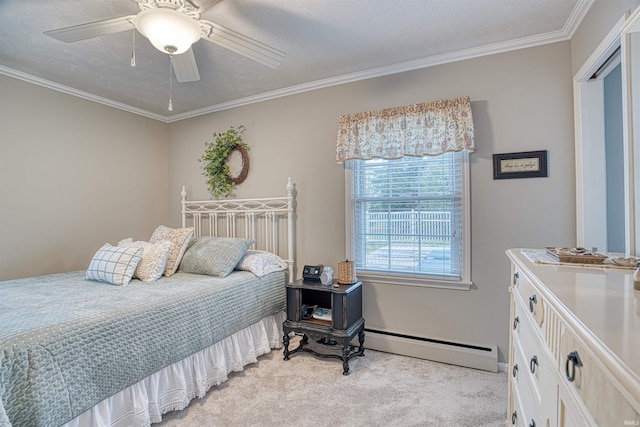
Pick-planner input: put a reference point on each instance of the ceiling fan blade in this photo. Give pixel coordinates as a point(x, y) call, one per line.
point(185, 67)
point(92, 29)
point(243, 45)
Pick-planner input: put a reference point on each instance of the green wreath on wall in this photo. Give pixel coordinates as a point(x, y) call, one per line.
point(216, 155)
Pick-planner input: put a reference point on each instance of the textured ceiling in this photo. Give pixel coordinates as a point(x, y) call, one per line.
point(325, 41)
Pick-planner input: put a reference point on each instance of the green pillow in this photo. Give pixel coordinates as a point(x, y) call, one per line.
point(214, 256)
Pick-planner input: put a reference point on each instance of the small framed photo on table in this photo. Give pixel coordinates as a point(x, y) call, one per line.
point(526, 164)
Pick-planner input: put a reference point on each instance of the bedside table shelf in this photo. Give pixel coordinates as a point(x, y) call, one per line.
point(345, 302)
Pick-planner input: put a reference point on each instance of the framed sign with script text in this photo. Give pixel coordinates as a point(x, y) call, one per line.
point(526, 164)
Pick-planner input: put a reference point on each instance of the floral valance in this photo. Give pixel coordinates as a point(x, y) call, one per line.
point(418, 130)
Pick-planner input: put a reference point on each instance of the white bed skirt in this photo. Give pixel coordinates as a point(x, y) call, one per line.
point(173, 387)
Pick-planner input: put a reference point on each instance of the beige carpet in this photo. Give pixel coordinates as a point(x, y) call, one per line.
point(382, 390)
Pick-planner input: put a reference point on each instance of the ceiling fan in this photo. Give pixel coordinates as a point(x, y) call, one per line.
point(172, 26)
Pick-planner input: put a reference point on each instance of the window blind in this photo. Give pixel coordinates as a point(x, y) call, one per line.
point(407, 215)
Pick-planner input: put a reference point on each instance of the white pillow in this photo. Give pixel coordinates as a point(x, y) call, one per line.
point(180, 238)
point(114, 265)
point(153, 260)
point(261, 263)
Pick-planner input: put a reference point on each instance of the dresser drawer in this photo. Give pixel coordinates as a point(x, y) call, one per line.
point(534, 303)
point(526, 349)
point(588, 378)
point(512, 415)
point(523, 381)
point(538, 380)
point(517, 416)
point(524, 414)
point(534, 348)
point(570, 409)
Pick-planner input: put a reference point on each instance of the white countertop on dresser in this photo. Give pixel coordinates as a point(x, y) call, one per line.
point(602, 301)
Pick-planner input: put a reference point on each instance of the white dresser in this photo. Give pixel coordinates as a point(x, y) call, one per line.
point(574, 346)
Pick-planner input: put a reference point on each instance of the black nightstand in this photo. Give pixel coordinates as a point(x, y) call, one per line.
point(345, 302)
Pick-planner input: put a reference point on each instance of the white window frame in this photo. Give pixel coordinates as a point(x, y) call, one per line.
point(408, 279)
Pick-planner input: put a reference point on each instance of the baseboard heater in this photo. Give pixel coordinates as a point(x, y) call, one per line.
point(454, 353)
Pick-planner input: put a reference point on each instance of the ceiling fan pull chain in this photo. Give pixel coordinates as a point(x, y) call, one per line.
point(133, 48)
point(170, 83)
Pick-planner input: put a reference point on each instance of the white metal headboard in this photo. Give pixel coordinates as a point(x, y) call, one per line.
point(259, 218)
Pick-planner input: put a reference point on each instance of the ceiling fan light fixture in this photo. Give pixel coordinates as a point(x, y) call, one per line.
point(168, 30)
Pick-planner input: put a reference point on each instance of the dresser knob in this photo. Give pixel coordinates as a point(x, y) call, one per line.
point(515, 370)
point(516, 320)
point(533, 364)
point(515, 278)
point(514, 417)
point(573, 360)
point(532, 300)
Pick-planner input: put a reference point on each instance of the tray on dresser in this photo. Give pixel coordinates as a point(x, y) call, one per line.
point(576, 255)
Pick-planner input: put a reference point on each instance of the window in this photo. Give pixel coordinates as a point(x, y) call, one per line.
point(407, 192)
point(408, 218)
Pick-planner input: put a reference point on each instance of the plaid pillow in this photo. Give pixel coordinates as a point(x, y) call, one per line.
point(115, 265)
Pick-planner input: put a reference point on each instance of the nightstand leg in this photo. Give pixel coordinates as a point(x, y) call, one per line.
point(345, 359)
point(361, 341)
point(285, 341)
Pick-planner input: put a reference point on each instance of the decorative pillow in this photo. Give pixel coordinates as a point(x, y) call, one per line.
point(214, 256)
point(261, 263)
point(114, 265)
point(180, 238)
point(153, 261)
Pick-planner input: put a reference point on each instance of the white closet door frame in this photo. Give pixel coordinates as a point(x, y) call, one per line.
point(630, 43)
point(589, 150)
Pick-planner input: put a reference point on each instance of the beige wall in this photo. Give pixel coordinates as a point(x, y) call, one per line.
point(73, 175)
point(521, 101)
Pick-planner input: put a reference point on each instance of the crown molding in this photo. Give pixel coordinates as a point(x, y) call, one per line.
point(576, 17)
point(574, 20)
point(78, 93)
point(632, 24)
point(383, 71)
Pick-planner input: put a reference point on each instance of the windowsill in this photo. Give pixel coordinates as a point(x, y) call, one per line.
point(409, 280)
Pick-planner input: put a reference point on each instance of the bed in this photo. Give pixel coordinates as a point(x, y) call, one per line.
point(79, 352)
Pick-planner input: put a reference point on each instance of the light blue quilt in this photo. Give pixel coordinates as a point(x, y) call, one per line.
point(67, 343)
